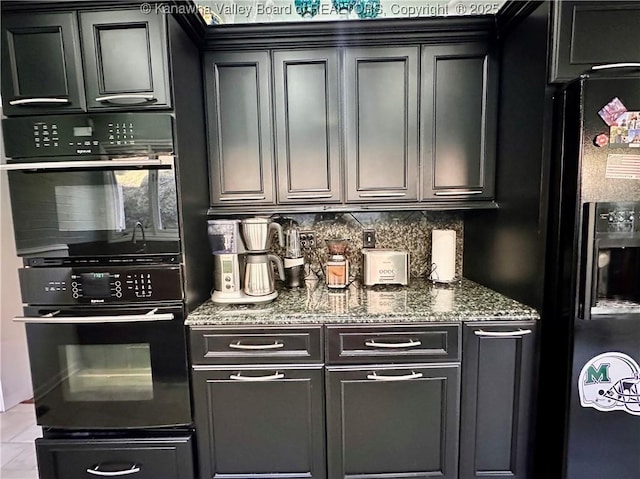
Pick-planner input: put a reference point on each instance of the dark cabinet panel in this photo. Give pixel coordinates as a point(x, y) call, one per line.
point(252, 345)
point(458, 122)
point(393, 421)
point(307, 126)
point(240, 128)
point(586, 34)
point(381, 115)
point(125, 57)
point(41, 64)
point(143, 458)
point(496, 400)
point(260, 422)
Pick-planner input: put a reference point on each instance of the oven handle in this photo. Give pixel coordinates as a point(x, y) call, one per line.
point(84, 164)
point(134, 468)
point(124, 318)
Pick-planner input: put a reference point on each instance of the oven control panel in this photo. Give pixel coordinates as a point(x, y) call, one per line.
point(79, 135)
point(617, 218)
point(98, 286)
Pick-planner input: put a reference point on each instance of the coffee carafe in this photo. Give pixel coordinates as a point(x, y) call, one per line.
point(258, 276)
point(256, 233)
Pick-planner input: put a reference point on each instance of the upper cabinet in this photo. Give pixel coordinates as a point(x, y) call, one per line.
point(124, 54)
point(125, 58)
point(459, 109)
point(239, 120)
point(307, 122)
point(381, 123)
point(41, 65)
point(593, 34)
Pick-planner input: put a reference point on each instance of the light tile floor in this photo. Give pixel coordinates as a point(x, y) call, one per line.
point(18, 430)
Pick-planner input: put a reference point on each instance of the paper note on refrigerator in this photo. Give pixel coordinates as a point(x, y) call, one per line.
point(623, 167)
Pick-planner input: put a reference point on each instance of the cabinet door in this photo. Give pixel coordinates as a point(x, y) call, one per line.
point(41, 65)
point(459, 107)
point(239, 122)
point(582, 36)
point(142, 458)
point(381, 108)
point(260, 422)
point(125, 59)
point(307, 126)
point(497, 375)
point(393, 421)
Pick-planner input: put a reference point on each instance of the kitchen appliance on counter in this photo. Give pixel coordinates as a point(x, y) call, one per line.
point(443, 256)
point(385, 266)
point(294, 273)
point(337, 265)
point(242, 274)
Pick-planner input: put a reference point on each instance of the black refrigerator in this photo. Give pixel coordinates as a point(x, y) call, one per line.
point(590, 351)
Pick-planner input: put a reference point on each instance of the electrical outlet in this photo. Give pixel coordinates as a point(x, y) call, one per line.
point(308, 240)
point(369, 238)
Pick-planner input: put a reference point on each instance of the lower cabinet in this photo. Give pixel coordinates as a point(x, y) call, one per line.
point(393, 421)
point(497, 376)
point(142, 458)
point(258, 422)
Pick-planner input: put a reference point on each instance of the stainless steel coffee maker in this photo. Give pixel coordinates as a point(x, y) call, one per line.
point(243, 274)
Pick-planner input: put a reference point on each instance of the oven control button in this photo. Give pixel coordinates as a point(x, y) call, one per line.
point(118, 294)
point(75, 295)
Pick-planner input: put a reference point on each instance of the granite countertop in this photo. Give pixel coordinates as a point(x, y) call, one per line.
point(421, 301)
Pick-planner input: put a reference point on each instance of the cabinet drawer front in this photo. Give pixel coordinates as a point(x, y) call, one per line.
point(169, 458)
point(360, 344)
point(256, 345)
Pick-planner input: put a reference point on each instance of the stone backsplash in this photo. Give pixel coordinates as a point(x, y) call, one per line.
point(409, 231)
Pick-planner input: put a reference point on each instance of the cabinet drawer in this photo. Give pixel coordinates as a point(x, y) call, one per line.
point(149, 458)
point(256, 345)
point(366, 344)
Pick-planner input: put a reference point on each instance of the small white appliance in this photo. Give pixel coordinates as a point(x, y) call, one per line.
point(385, 266)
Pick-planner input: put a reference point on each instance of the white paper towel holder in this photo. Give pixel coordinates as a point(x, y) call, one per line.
point(443, 245)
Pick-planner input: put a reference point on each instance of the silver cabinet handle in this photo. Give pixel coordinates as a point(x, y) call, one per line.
point(456, 193)
point(308, 197)
point(372, 343)
point(381, 195)
point(256, 347)
point(114, 98)
point(242, 198)
point(406, 377)
point(502, 334)
point(96, 472)
point(29, 101)
point(82, 164)
point(610, 66)
point(124, 318)
point(271, 377)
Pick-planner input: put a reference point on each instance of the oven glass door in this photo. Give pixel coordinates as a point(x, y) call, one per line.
point(129, 371)
point(92, 208)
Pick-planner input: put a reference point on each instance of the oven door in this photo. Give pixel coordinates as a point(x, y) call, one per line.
point(108, 367)
point(78, 207)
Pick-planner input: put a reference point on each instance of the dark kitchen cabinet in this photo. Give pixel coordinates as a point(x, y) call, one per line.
point(393, 421)
point(458, 130)
point(497, 376)
point(239, 123)
point(260, 422)
point(41, 64)
point(307, 124)
point(588, 34)
point(148, 458)
point(125, 58)
point(381, 123)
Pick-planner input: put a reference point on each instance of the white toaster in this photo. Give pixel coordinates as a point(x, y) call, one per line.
point(385, 266)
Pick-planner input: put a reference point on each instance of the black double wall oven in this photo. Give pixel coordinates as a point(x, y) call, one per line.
point(95, 212)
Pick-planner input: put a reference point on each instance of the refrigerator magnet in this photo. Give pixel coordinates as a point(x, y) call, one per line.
point(611, 111)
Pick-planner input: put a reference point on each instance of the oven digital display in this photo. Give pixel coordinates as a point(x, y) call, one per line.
point(82, 131)
point(96, 285)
